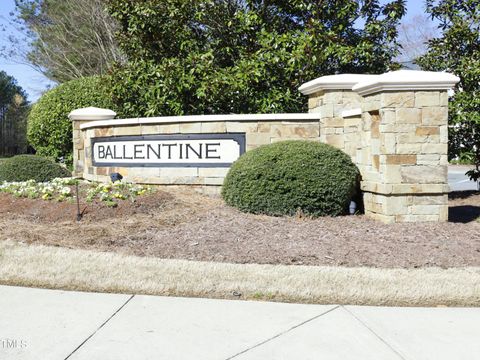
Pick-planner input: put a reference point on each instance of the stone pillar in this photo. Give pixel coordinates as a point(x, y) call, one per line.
point(401, 144)
point(339, 108)
point(405, 164)
point(79, 117)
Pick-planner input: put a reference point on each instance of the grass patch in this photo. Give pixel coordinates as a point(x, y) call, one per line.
point(82, 270)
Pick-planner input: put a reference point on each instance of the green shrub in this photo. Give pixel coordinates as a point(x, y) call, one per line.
point(31, 167)
point(49, 129)
point(290, 176)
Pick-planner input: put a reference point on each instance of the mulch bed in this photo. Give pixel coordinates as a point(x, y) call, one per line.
point(186, 225)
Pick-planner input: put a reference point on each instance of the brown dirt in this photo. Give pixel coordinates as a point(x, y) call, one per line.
point(186, 225)
point(51, 211)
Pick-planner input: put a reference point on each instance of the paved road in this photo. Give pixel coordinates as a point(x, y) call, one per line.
point(53, 325)
point(457, 179)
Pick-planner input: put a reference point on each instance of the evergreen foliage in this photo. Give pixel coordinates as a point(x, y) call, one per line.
point(290, 176)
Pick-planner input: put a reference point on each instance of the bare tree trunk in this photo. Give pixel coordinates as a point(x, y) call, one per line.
point(68, 39)
point(413, 36)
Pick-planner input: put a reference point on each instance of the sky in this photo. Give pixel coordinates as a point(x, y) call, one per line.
point(34, 83)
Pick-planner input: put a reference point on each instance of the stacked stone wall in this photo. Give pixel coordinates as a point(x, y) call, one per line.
point(398, 139)
point(399, 144)
point(257, 133)
point(340, 123)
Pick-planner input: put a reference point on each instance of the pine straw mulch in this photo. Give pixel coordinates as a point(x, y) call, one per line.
point(185, 225)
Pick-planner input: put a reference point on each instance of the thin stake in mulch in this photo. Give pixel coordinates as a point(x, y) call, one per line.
point(79, 213)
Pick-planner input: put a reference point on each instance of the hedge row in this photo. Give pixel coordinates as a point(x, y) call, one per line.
point(31, 167)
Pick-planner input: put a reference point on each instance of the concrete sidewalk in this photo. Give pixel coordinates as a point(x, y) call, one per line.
point(50, 324)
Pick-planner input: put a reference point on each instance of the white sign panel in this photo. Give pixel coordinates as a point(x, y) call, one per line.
point(200, 150)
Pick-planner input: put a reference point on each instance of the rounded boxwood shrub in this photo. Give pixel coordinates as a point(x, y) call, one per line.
point(31, 167)
point(49, 129)
point(290, 176)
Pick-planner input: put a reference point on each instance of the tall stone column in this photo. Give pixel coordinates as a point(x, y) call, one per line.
point(404, 160)
point(79, 117)
point(399, 142)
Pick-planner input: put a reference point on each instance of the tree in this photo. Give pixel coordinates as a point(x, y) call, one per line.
point(238, 56)
point(13, 113)
point(49, 128)
point(413, 36)
point(457, 50)
point(67, 39)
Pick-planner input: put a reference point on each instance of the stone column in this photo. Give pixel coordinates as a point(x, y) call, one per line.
point(79, 117)
point(405, 163)
point(400, 145)
point(339, 108)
